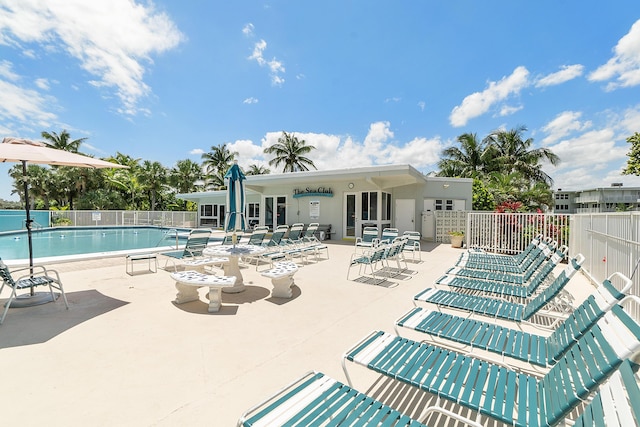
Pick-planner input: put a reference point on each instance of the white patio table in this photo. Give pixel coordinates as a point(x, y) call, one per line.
point(233, 252)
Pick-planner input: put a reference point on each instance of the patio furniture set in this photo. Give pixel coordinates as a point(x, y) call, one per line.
point(278, 252)
point(583, 370)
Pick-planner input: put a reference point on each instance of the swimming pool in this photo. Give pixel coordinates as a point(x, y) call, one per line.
point(84, 242)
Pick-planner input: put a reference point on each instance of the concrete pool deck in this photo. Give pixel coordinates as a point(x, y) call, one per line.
point(126, 355)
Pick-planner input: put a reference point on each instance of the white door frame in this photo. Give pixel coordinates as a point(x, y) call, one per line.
point(357, 202)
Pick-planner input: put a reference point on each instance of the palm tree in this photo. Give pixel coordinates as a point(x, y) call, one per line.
point(185, 175)
point(290, 151)
point(513, 154)
point(257, 170)
point(216, 163)
point(153, 177)
point(469, 161)
point(62, 141)
point(125, 180)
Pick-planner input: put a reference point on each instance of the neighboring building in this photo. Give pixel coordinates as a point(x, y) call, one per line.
point(605, 199)
point(346, 199)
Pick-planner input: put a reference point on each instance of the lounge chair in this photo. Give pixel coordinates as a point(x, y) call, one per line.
point(413, 244)
point(500, 392)
point(257, 235)
point(368, 240)
point(503, 288)
point(273, 248)
point(309, 237)
point(196, 242)
point(316, 399)
point(295, 233)
point(617, 402)
point(501, 308)
point(502, 262)
point(41, 276)
point(466, 334)
point(545, 256)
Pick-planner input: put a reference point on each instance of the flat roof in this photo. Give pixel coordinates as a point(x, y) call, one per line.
point(385, 176)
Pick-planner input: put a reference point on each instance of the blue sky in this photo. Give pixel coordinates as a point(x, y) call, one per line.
point(366, 82)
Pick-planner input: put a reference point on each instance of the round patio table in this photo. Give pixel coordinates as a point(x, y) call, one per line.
point(233, 252)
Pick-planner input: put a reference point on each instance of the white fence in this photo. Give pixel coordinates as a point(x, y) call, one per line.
point(507, 233)
point(610, 242)
point(123, 218)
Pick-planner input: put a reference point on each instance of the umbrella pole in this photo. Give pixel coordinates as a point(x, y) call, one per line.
point(29, 220)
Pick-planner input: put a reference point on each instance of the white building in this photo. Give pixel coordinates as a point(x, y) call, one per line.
point(347, 200)
point(593, 200)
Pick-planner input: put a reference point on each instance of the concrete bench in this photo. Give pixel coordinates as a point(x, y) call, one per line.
point(152, 260)
point(281, 276)
point(188, 282)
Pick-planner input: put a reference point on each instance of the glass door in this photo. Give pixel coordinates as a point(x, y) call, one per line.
point(351, 209)
point(275, 211)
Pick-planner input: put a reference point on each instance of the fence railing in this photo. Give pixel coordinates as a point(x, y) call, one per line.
point(610, 243)
point(124, 218)
point(510, 233)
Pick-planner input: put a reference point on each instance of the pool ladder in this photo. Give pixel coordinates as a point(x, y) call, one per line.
point(167, 234)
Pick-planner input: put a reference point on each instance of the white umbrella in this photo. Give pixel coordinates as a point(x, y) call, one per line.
point(27, 151)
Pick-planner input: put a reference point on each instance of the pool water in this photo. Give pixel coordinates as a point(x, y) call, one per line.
point(56, 242)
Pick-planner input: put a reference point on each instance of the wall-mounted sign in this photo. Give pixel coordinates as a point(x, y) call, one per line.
point(312, 191)
point(314, 209)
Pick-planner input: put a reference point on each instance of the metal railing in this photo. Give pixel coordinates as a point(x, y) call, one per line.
point(181, 219)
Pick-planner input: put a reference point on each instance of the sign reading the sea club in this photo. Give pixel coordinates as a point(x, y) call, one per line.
point(312, 191)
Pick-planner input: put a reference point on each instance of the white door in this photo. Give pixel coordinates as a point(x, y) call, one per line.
point(406, 215)
point(351, 221)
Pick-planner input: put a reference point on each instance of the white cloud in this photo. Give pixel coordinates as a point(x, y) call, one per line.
point(25, 105)
point(197, 151)
point(421, 105)
point(250, 100)
point(6, 71)
point(42, 84)
point(113, 41)
point(478, 103)
point(247, 30)
point(562, 125)
point(624, 66)
point(568, 72)
point(339, 152)
point(507, 110)
point(276, 67)
point(594, 150)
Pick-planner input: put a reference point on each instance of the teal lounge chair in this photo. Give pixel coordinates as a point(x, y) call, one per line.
point(505, 394)
point(466, 334)
point(486, 286)
point(196, 242)
point(617, 402)
point(501, 308)
point(516, 278)
point(506, 263)
point(41, 276)
point(316, 399)
point(309, 238)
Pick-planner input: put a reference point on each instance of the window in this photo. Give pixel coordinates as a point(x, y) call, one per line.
point(206, 210)
point(369, 206)
point(386, 206)
point(253, 214)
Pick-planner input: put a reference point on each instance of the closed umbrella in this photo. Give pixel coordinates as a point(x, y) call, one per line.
point(28, 151)
point(235, 220)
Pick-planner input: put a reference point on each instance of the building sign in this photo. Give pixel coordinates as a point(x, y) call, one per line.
point(314, 209)
point(312, 191)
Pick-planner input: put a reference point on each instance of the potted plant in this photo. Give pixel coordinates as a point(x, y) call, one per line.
point(456, 238)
